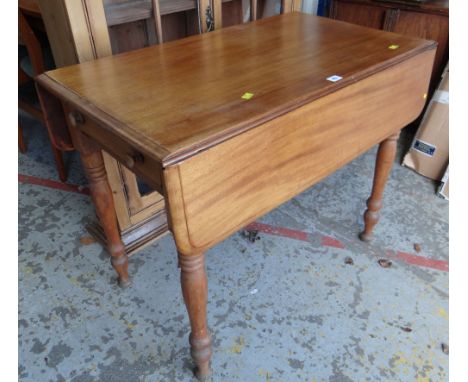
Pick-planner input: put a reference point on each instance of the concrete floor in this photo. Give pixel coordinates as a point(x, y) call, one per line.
point(286, 308)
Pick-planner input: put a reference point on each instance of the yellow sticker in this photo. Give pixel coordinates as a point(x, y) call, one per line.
point(393, 46)
point(247, 96)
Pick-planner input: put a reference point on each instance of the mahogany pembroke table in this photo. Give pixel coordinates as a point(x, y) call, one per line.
point(230, 124)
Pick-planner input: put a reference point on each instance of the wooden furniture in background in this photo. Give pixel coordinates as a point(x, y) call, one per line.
point(85, 30)
point(131, 24)
point(427, 19)
point(229, 142)
point(80, 31)
point(32, 64)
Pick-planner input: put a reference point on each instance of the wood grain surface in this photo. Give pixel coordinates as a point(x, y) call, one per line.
point(219, 191)
point(432, 6)
point(172, 101)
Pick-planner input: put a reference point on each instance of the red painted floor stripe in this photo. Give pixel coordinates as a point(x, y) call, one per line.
point(420, 261)
point(53, 184)
point(329, 241)
point(278, 231)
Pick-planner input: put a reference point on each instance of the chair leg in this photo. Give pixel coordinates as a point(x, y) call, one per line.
point(62, 171)
point(21, 144)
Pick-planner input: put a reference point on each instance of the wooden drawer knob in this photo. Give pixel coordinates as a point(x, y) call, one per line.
point(131, 159)
point(76, 118)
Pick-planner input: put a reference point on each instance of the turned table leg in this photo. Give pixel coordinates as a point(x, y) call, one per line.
point(101, 193)
point(383, 165)
point(195, 292)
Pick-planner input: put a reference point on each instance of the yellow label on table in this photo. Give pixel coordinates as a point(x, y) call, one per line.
point(393, 46)
point(247, 96)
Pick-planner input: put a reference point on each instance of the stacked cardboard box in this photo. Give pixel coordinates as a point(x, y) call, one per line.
point(429, 152)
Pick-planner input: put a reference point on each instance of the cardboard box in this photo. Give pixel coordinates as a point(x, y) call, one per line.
point(443, 190)
point(429, 151)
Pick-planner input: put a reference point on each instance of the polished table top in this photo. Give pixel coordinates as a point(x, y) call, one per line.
point(182, 97)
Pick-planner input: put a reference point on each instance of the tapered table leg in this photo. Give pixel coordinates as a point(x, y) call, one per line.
point(195, 292)
point(93, 164)
point(383, 165)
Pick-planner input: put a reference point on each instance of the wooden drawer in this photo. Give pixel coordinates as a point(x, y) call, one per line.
point(137, 161)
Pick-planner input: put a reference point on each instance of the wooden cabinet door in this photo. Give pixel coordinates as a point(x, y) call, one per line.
point(78, 31)
point(431, 27)
point(360, 14)
point(406, 18)
point(83, 30)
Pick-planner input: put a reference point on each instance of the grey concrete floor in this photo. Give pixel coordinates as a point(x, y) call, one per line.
point(286, 308)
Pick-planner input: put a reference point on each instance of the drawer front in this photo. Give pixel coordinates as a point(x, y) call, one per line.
point(134, 159)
